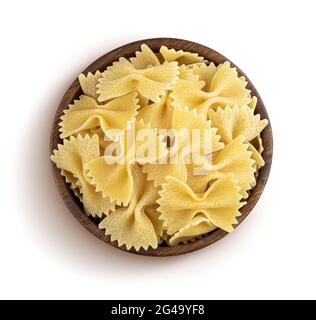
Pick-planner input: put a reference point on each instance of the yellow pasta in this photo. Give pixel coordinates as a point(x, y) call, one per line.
point(257, 143)
point(70, 178)
point(198, 226)
point(122, 78)
point(71, 157)
point(237, 121)
point(253, 103)
point(179, 205)
point(186, 73)
point(162, 148)
point(102, 174)
point(89, 83)
point(205, 73)
point(234, 158)
point(193, 121)
point(256, 156)
point(103, 139)
point(225, 88)
point(73, 182)
point(159, 114)
point(109, 166)
point(158, 173)
point(138, 224)
point(87, 114)
point(144, 58)
point(182, 57)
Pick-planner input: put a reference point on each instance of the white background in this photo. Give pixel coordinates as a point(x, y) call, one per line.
point(45, 253)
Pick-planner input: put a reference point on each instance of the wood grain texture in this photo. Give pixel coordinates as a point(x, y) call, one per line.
point(72, 202)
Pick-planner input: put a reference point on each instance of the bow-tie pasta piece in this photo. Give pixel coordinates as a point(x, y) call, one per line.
point(122, 78)
point(197, 127)
point(179, 205)
point(104, 141)
point(253, 103)
point(159, 114)
point(225, 88)
point(144, 58)
point(205, 73)
point(257, 143)
point(239, 121)
point(113, 180)
point(87, 114)
point(186, 73)
point(234, 158)
point(256, 156)
point(236, 121)
point(142, 143)
point(89, 83)
point(73, 182)
point(198, 226)
point(118, 184)
point(186, 145)
point(190, 94)
point(256, 147)
point(153, 214)
point(71, 157)
point(158, 173)
point(70, 178)
point(228, 88)
point(182, 57)
point(138, 224)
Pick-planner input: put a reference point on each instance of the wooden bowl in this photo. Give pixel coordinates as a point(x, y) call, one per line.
point(128, 50)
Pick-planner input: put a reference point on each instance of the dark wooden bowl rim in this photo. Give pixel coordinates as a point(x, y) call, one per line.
point(128, 51)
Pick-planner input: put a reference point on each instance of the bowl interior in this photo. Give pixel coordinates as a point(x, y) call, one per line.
point(74, 91)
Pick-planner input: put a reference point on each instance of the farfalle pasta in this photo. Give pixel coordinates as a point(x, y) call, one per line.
point(136, 225)
point(219, 203)
point(151, 82)
point(177, 167)
point(87, 114)
point(159, 114)
point(232, 122)
point(71, 157)
point(182, 57)
point(161, 148)
point(197, 226)
point(234, 158)
point(89, 83)
point(224, 88)
point(144, 58)
point(118, 168)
